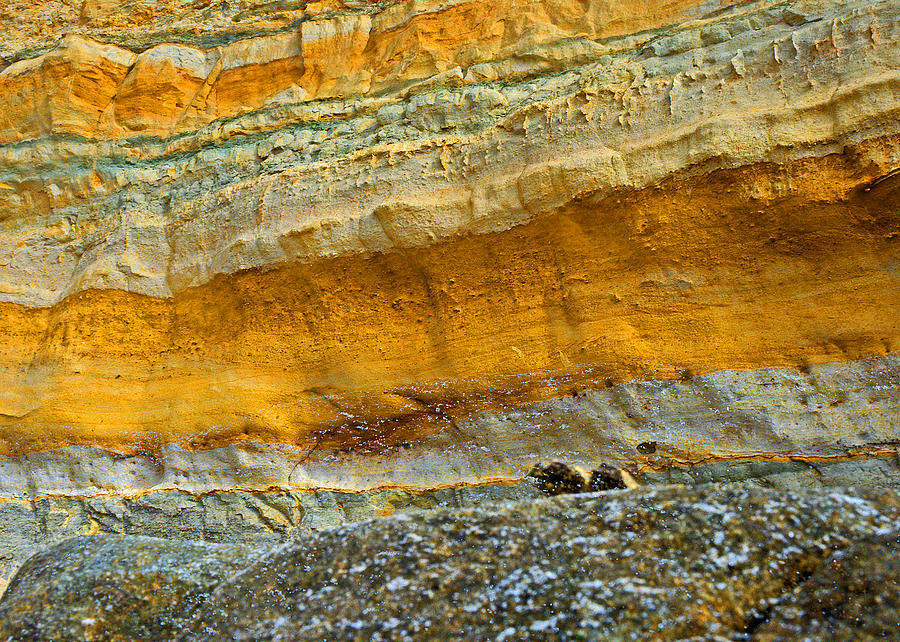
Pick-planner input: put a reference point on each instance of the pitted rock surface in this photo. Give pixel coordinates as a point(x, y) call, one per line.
point(114, 588)
point(854, 595)
point(651, 564)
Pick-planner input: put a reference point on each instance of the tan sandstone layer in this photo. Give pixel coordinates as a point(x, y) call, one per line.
point(419, 244)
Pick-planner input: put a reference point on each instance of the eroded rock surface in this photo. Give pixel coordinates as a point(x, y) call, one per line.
point(267, 267)
point(257, 518)
point(853, 595)
point(115, 588)
point(660, 564)
point(363, 227)
point(264, 518)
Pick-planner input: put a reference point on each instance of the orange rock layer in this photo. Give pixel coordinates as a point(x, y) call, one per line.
point(92, 89)
point(351, 226)
point(766, 265)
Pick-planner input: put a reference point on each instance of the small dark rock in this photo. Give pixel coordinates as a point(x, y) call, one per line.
point(558, 478)
point(606, 477)
point(646, 447)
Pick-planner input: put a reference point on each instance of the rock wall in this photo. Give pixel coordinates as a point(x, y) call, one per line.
point(344, 245)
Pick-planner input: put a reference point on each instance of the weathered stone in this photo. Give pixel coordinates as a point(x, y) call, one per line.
point(853, 595)
point(254, 518)
point(796, 474)
point(706, 562)
point(830, 412)
point(339, 228)
point(271, 267)
point(114, 588)
point(606, 477)
point(267, 517)
point(667, 564)
point(558, 478)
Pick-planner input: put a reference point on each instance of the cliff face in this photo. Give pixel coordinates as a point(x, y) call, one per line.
point(350, 245)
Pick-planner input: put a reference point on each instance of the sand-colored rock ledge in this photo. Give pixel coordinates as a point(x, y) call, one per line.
point(413, 166)
point(833, 412)
point(782, 265)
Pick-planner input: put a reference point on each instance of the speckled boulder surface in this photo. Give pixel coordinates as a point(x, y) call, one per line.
point(660, 564)
point(112, 587)
point(854, 595)
point(667, 564)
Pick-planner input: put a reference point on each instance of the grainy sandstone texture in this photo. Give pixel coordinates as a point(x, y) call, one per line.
point(447, 196)
point(855, 594)
point(294, 250)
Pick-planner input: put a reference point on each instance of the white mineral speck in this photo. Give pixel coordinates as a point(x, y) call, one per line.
point(397, 584)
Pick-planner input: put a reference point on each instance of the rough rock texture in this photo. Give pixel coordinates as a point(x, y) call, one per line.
point(136, 588)
point(348, 228)
point(258, 256)
point(664, 564)
point(667, 564)
point(855, 595)
point(258, 518)
point(830, 411)
point(262, 518)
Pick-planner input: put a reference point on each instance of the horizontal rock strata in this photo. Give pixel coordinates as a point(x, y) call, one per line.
point(268, 250)
point(713, 194)
point(265, 517)
point(830, 412)
point(255, 518)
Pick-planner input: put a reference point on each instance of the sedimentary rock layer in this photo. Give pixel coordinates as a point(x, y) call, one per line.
point(262, 518)
point(461, 153)
point(830, 412)
point(119, 78)
point(419, 244)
